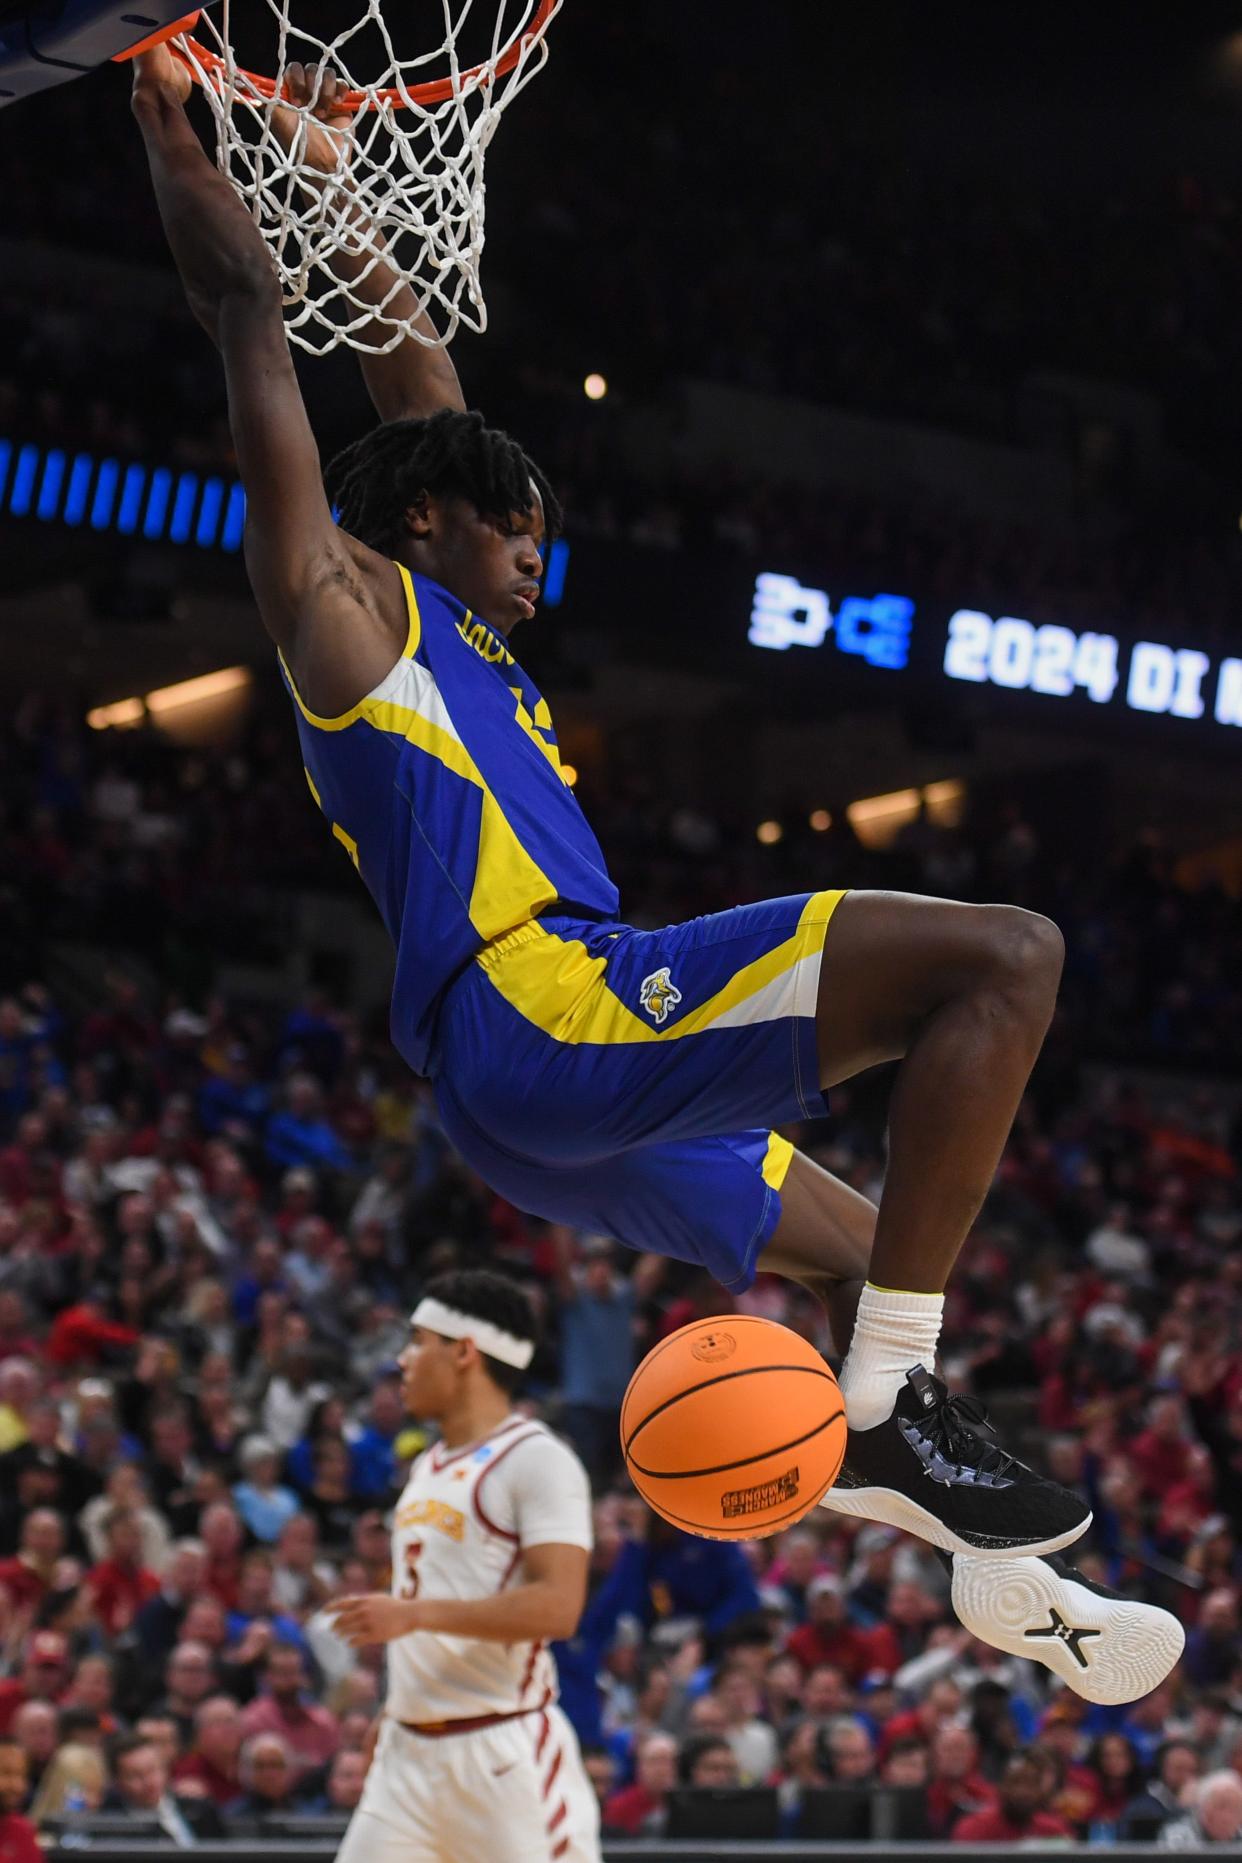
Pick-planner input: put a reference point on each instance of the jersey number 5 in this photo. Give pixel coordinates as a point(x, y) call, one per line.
point(409, 1587)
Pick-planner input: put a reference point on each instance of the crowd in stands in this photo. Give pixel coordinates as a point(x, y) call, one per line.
point(214, 1220)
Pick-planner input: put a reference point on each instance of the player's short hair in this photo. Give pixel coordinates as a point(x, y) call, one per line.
point(483, 1295)
point(373, 483)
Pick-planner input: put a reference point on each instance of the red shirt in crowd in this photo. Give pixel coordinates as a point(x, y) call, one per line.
point(311, 1731)
point(18, 1843)
point(993, 1827)
point(22, 1582)
point(119, 1592)
point(1161, 1464)
point(629, 1809)
point(222, 1788)
point(13, 1695)
point(845, 1646)
point(946, 1799)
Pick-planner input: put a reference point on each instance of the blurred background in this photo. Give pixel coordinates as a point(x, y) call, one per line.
point(888, 365)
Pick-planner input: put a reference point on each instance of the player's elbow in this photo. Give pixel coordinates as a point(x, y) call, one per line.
point(562, 1614)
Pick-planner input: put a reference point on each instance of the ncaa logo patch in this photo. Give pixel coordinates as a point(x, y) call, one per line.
point(659, 994)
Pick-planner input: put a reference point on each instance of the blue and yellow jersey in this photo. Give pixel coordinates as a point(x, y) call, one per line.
point(444, 786)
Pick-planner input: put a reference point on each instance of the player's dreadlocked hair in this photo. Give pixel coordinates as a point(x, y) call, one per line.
point(375, 481)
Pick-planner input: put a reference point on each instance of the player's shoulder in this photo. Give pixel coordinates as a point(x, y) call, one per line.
point(532, 1448)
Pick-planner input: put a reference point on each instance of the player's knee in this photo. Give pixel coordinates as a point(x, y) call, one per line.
point(1025, 954)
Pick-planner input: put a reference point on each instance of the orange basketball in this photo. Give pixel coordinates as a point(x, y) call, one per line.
point(733, 1428)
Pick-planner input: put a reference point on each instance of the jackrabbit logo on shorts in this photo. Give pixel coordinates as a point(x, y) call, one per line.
point(659, 994)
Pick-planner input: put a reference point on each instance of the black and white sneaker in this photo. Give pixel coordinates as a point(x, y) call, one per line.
point(935, 1469)
point(1105, 1647)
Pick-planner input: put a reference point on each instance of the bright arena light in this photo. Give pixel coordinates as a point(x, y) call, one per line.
point(821, 821)
point(569, 773)
point(128, 712)
point(769, 833)
point(595, 387)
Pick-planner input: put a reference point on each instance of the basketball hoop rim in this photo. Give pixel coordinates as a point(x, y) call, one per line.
point(435, 91)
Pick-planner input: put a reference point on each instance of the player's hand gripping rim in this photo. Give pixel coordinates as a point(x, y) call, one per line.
point(328, 130)
point(161, 72)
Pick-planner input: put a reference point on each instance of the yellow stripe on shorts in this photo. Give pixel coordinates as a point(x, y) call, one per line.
point(558, 986)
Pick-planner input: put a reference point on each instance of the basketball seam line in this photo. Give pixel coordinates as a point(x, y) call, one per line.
point(724, 1377)
point(723, 1468)
point(657, 1351)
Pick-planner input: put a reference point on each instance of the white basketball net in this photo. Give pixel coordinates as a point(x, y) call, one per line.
point(407, 187)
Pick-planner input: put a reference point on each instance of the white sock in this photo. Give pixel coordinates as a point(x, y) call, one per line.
point(893, 1333)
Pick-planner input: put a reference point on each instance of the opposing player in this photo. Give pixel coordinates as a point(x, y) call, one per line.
point(490, 1545)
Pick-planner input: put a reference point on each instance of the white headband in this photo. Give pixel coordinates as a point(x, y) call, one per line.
point(494, 1341)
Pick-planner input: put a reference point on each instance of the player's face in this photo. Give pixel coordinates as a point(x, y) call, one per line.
point(428, 1373)
point(491, 564)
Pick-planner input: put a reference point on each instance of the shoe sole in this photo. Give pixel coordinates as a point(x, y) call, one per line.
point(1125, 1649)
point(892, 1509)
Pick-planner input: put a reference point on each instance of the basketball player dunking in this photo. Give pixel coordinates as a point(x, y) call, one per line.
point(625, 1081)
point(490, 1544)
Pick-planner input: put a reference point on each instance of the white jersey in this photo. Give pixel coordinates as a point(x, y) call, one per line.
point(464, 1520)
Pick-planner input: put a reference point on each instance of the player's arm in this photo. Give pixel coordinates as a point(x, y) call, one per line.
point(412, 380)
point(334, 607)
point(544, 1607)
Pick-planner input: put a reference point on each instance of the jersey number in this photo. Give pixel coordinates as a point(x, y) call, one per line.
point(409, 1585)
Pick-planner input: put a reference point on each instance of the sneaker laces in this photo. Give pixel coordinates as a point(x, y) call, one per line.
point(959, 1429)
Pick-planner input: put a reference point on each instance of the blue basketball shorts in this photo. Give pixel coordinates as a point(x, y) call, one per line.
point(626, 1081)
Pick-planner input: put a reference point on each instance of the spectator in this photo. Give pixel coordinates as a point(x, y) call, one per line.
point(1118, 1776)
point(1215, 1817)
point(346, 1777)
point(300, 1579)
point(752, 1739)
point(1019, 1815)
point(91, 1689)
point(264, 1504)
point(640, 1810)
point(269, 1778)
point(125, 1488)
point(189, 1677)
point(804, 1761)
point(256, 1608)
point(309, 1731)
point(707, 1761)
point(851, 1754)
point(1211, 1647)
point(827, 1636)
point(18, 1842)
point(28, 1576)
point(161, 1731)
point(159, 1620)
point(223, 1537)
point(120, 1584)
point(1177, 1769)
point(76, 1779)
point(372, 1453)
point(600, 1766)
point(300, 1135)
point(141, 1788)
point(598, 1309)
point(212, 1764)
point(956, 1787)
point(36, 1730)
point(44, 1673)
point(905, 1765)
